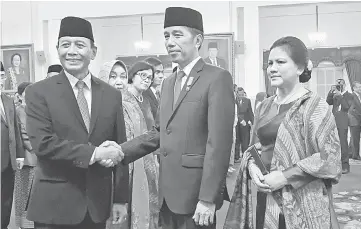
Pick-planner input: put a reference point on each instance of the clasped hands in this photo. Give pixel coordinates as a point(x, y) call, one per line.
point(108, 154)
point(273, 181)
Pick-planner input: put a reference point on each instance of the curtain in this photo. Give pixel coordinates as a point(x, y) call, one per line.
point(353, 68)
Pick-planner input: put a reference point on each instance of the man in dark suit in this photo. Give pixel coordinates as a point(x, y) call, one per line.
point(69, 116)
point(153, 94)
point(341, 99)
point(194, 134)
point(244, 124)
point(213, 59)
point(12, 151)
point(354, 115)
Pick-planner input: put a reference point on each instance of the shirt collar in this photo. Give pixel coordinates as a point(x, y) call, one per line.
point(187, 69)
point(73, 80)
point(153, 90)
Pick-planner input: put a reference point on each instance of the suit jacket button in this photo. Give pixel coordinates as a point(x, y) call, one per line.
point(169, 131)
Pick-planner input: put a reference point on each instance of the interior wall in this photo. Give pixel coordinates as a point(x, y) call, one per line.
point(337, 19)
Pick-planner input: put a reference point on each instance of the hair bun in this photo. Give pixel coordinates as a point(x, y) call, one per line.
point(305, 76)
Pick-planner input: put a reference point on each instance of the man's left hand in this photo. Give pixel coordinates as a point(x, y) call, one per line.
point(276, 180)
point(204, 214)
point(120, 213)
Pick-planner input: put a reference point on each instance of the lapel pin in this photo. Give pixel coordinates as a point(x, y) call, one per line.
point(189, 83)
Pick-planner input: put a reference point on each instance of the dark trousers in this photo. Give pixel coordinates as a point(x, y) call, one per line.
point(355, 137)
point(242, 139)
point(7, 191)
point(87, 223)
point(170, 220)
point(342, 133)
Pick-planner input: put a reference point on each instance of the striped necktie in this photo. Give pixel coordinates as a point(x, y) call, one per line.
point(83, 104)
point(178, 86)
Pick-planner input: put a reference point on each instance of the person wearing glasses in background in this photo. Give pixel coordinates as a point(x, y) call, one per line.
point(144, 171)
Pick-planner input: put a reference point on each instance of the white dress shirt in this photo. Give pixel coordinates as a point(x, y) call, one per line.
point(2, 105)
point(187, 70)
point(154, 91)
point(87, 90)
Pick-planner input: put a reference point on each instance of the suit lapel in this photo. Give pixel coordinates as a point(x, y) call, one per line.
point(97, 92)
point(191, 80)
point(152, 96)
point(67, 94)
point(169, 92)
point(8, 110)
point(357, 102)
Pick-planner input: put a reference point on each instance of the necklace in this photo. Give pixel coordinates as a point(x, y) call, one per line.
point(139, 98)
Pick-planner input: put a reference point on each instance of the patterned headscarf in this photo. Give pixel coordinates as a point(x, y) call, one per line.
point(106, 68)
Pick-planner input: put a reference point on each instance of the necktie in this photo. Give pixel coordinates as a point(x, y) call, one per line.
point(178, 85)
point(83, 104)
point(158, 95)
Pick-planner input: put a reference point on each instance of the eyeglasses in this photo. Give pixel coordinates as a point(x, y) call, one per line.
point(145, 76)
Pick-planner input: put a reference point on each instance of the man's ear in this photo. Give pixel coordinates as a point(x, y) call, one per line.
point(94, 52)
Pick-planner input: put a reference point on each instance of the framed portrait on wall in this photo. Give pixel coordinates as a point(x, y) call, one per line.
point(218, 49)
point(18, 61)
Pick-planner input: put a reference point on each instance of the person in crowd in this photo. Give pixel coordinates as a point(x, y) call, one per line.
point(341, 99)
point(296, 136)
point(153, 93)
point(69, 117)
point(213, 58)
point(16, 73)
point(138, 118)
point(354, 114)
point(259, 98)
point(231, 169)
point(53, 70)
point(12, 151)
point(25, 173)
point(244, 124)
point(194, 131)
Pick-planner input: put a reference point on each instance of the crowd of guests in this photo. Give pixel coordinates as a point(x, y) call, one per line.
point(128, 148)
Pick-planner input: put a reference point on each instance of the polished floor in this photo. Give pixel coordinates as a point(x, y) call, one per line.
point(348, 182)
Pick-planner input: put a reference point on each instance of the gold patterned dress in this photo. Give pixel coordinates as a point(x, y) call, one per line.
point(301, 140)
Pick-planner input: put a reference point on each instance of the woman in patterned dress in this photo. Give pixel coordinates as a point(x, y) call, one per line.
point(15, 74)
point(138, 119)
point(25, 174)
point(296, 136)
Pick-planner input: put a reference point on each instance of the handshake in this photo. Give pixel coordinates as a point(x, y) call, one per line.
point(108, 154)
